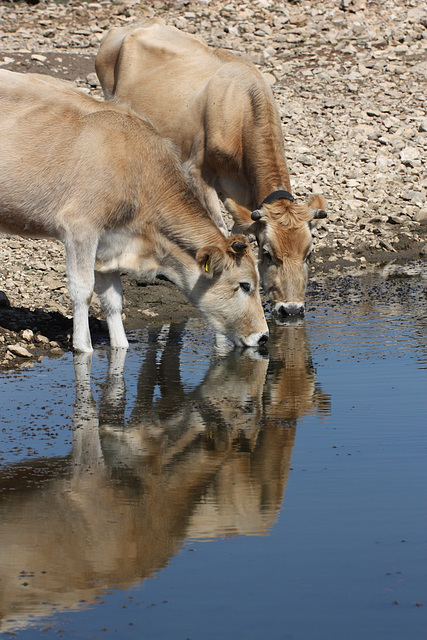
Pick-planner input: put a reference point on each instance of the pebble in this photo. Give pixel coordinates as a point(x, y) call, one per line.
point(20, 351)
point(27, 335)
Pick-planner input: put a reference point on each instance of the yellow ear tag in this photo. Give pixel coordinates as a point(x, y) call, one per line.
point(208, 265)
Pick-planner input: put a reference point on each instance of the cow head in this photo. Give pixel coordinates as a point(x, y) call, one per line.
point(227, 292)
point(282, 229)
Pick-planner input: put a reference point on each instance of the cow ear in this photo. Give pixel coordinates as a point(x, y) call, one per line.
point(319, 213)
point(242, 219)
point(211, 261)
point(317, 205)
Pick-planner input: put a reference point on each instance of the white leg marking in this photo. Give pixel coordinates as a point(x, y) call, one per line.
point(80, 269)
point(108, 287)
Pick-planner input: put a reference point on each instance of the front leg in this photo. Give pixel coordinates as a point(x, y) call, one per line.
point(206, 194)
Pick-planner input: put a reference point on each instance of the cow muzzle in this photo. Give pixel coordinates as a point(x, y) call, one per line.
point(255, 339)
point(284, 309)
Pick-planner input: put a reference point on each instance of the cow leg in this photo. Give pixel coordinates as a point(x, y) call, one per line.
point(212, 204)
point(108, 287)
point(80, 270)
point(207, 195)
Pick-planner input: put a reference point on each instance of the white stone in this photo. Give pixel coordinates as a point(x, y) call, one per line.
point(17, 350)
point(408, 154)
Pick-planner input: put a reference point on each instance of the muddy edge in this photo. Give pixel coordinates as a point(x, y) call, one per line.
point(349, 77)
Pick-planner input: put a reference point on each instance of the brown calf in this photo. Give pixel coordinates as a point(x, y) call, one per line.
point(102, 180)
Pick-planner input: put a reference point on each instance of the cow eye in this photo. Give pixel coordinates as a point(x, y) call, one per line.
point(266, 253)
point(245, 286)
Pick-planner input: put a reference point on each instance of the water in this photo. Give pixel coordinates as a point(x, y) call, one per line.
point(180, 493)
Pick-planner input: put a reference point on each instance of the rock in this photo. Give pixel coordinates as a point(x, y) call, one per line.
point(420, 68)
point(148, 313)
point(17, 350)
point(421, 215)
point(416, 197)
point(27, 335)
point(408, 155)
point(38, 57)
point(56, 351)
point(416, 14)
point(92, 80)
point(6, 60)
point(382, 161)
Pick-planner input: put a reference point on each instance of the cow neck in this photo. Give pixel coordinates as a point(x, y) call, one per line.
point(266, 166)
point(179, 265)
point(192, 232)
point(179, 241)
point(264, 188)
point(278, 194)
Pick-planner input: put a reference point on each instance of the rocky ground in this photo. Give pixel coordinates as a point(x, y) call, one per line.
point(350, 79)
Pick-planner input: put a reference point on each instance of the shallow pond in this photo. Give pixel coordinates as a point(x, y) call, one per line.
point(180, 492)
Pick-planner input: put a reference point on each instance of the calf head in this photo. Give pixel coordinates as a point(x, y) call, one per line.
point(227, 292)
point(282, 229)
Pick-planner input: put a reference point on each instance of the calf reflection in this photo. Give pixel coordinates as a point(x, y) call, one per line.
point(212, 461)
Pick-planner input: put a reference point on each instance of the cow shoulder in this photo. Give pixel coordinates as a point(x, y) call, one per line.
point(159, 40)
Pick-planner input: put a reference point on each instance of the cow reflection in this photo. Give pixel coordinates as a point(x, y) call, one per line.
point(291, 391)
point(201, 463)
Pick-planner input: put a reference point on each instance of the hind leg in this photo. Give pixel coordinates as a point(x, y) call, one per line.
point(80, 270)
point(108, 287)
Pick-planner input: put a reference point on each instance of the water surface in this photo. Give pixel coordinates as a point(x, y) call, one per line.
point(178, 492)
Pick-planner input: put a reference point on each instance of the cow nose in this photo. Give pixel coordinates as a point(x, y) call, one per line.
point(289, 309)
point(263, 339)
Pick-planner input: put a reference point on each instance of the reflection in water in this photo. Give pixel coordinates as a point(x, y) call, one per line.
point(211, 461)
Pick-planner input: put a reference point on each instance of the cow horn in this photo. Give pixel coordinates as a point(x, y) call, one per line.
point(257, 214)
point(319, 213)
point(239, 246)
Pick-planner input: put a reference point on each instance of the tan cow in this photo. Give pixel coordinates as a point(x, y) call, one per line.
point(220, 112)
point(101, 179)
